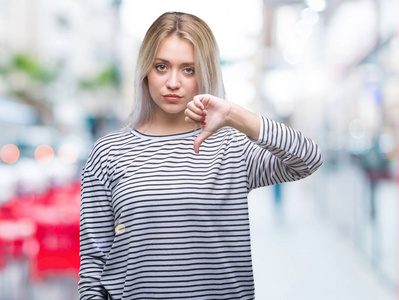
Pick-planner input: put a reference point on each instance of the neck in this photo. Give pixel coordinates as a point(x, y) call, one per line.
point(165, 126)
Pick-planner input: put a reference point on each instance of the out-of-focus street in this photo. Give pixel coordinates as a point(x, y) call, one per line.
point(328, 68)
point(299, 252)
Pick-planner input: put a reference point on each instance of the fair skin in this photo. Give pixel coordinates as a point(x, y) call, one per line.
point(173, 87)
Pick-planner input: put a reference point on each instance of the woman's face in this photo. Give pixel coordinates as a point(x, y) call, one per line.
point(172, 80)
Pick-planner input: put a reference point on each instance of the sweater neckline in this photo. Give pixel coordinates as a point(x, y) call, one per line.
point(175, 136)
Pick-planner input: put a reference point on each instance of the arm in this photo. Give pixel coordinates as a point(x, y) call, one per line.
point(245, 121)
point(277, 152)
point(96, 235)
point(280, 154)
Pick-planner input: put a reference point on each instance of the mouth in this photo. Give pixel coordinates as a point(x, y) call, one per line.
point(172, 97)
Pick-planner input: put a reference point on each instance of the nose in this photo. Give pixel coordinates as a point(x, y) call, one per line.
point(173, 81)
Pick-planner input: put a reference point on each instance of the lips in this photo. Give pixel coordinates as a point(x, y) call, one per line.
point(172, 97)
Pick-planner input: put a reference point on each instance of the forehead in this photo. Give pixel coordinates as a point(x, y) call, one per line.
point(174, 48)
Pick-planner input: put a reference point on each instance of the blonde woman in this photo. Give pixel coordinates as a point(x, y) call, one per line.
point(164, 200)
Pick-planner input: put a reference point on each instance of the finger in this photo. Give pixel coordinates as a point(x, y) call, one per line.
point(200, 139)
point(203, 99)
point(192, 106)
point(198, 100)
point(189, 120)
point(194, 116)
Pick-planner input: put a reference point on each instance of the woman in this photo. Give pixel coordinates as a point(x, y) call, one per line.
point(159, 220)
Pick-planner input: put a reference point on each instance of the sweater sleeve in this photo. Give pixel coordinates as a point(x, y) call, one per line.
point(96, 234)
point(281, 154)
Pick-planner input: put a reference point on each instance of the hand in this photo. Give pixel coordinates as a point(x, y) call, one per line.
point(210, 112)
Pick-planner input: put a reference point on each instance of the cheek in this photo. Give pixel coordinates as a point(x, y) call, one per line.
point(155, 77)
point(194, 86)
point(153, 83)
point(150, 80)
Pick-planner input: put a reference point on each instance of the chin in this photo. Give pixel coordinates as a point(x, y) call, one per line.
point(174, 110)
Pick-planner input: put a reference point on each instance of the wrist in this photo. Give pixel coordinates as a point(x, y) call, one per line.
point(243, 120)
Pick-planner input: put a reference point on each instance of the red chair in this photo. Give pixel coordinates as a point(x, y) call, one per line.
point(43, 228)
point(59, 250)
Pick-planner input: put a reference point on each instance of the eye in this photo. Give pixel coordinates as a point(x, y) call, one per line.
point(189, 70)
point(160, 67)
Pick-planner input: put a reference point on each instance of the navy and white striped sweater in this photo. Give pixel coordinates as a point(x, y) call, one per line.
point(159, 221)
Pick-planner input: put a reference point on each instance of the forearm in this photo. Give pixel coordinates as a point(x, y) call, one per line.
point(298, 154)
point(286, 155)
point(245, 121)
point(96, 235)
point(89, 285)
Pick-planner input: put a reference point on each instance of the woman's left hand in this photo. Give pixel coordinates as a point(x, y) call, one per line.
point(210, 112)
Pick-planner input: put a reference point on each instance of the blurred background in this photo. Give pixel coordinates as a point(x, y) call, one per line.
point(329, 68)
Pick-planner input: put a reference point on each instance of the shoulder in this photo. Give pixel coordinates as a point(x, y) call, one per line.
point(105, 147)
point(112, 140)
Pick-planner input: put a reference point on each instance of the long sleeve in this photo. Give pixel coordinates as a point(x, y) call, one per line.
point(96, 235)
point(281, 154)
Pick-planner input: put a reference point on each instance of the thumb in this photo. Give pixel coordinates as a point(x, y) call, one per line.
point(200, 138)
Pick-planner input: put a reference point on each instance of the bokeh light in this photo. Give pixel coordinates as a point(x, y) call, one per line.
point(44, 154)
point(310, 16)
point(68, 153)
point(317, 5)
point(9, 153)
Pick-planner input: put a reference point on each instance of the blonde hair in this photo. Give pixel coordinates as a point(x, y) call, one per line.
point(206, 53)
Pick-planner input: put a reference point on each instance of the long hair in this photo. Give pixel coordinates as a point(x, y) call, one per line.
point(206, 55)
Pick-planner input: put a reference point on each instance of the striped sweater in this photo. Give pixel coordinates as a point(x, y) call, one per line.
point(159, 221)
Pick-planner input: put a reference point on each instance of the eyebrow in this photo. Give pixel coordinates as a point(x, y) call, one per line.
point(168, 62)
